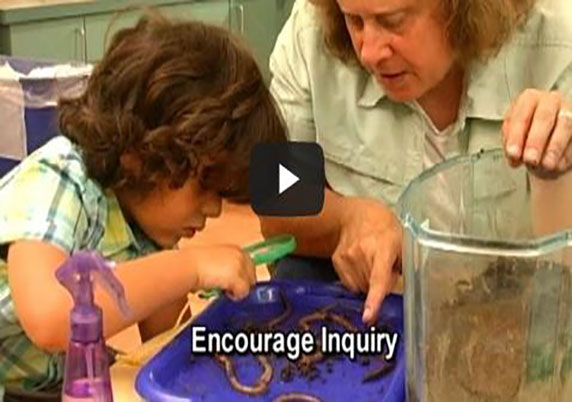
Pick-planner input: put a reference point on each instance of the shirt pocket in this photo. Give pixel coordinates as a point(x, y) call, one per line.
point(356, 169)
point(500, 203)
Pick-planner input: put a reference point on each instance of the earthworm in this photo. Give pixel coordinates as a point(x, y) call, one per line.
point(319, 315)
point(306, 361)
point(386, 366)
point(261, 386)
point(296, 397)
point(324, 314)
point(282, 317)
point(262, 383)
point(341, 320)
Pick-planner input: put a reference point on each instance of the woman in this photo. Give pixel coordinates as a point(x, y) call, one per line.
point(391, 87)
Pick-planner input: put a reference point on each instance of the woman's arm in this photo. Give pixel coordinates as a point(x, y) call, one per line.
point(551, 203)
point(362, 236)
point(316, 236)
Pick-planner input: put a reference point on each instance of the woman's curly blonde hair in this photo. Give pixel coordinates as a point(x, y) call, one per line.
point(184, 98)
point(477, 29)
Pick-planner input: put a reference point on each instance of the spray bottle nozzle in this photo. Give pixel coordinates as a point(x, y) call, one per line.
point(77, 275)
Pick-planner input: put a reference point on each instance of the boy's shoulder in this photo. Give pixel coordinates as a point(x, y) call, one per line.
point(58, 157)
point(50, 197)
point(59, 152)
point(57, 168)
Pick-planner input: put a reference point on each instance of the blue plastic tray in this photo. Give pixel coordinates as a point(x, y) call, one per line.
point(175, 374)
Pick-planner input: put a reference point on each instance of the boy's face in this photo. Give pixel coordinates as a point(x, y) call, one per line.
point(166, 215)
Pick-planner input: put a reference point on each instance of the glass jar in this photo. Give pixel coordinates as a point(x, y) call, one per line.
point(488, 298)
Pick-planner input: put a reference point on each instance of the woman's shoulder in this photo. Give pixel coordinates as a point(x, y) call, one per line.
point(302, 44)
point(305, 15)
point(304, 30)
point(540, 54)
point(548, 24)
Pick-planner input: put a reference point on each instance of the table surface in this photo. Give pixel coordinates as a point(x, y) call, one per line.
point(123, 382)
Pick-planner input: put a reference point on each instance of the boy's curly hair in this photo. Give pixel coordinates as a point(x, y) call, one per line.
point(186, 99)
point(476, 29)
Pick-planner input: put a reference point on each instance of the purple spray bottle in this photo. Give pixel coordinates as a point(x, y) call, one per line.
point(86, 375)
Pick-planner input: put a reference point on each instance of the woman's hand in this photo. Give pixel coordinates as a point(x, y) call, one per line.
point(537, 131)
point(368, 255)
point(225, 267)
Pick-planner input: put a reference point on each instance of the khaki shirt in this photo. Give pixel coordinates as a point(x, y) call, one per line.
point(373, 146)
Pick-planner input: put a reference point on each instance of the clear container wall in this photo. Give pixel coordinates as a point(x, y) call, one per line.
point(488, 297)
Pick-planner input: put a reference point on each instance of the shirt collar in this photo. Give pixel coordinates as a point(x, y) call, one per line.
point(530, 60)
point(487, 92)
point(372, 91)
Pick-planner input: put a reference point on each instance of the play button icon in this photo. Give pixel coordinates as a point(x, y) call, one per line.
point(287, 179)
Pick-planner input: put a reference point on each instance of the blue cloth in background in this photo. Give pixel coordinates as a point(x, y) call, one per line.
point(33, 98)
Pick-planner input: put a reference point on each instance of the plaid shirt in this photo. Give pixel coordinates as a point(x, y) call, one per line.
point(49, 197)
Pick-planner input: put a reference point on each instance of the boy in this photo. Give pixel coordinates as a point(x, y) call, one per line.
point(161, 134)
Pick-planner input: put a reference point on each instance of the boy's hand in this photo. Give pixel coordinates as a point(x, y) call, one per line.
point(225, 267)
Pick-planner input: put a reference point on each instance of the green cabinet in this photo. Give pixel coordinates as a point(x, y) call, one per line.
point(284, 9)
point(58, 39)
point(255, 21)
point(213, 11)
point(259, 22)
point(101, 27)
point(80, 30)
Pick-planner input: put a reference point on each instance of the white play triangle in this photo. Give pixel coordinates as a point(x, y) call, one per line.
point(286, 179)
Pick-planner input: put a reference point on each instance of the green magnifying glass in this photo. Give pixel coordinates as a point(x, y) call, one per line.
point(265, 252)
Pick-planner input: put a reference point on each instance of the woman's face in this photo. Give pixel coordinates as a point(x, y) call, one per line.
point(403, 43)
